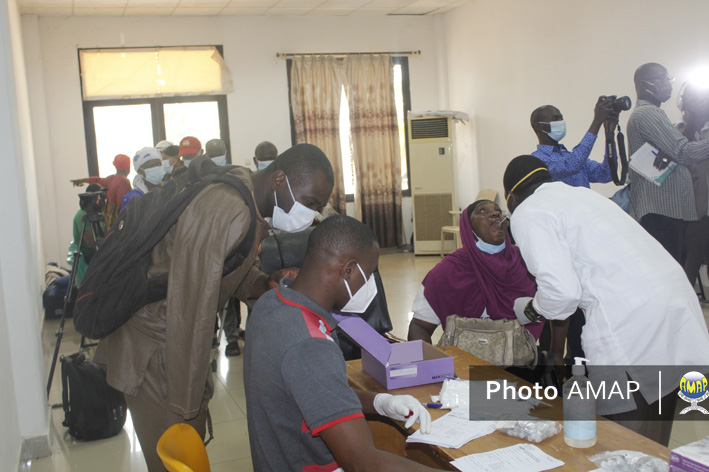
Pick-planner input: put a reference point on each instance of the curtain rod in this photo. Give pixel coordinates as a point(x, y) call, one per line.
point(388, 53)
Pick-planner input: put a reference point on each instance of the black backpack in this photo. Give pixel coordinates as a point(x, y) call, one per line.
point(116, 282)
point(92, 408)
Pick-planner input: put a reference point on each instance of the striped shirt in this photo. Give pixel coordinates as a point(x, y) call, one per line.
point(675, 197)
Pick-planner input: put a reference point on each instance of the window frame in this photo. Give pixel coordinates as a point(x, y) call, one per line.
point(156, 112)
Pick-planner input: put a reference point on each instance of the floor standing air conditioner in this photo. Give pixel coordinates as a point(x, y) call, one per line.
point(431, 163)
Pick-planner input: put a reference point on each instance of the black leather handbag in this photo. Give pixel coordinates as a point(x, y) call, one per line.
point(283, 250)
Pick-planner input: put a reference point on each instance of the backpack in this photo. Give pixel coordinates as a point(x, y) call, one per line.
point(92, 408)
point(116, 283)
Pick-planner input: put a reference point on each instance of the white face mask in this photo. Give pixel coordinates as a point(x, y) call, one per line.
point(220, 160)
point(360, 301)
point(154, 175)
point(297, 219)
point(167, 166)
point(557, 130)
point(261, 165)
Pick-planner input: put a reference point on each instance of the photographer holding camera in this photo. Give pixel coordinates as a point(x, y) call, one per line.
point(572, 167)
point(662, 210)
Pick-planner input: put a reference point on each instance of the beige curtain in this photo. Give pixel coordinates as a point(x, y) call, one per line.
point(315, 93)
point(375, 142)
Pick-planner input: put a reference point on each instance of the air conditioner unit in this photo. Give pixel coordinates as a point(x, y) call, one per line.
point(432, 180)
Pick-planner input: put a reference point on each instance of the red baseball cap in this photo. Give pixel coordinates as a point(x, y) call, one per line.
point(121, 162)
point(189, 145)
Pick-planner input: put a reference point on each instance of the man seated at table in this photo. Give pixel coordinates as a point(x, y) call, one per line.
point(302, 413)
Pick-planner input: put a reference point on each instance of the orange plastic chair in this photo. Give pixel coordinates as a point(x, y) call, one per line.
point(181, 449)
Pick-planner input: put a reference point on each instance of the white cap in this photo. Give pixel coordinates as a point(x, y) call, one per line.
point(144, 155)
point(578, 367)
point(162, 145)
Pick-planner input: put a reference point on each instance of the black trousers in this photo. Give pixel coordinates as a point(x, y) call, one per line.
point(668, 231)
point(696, 247)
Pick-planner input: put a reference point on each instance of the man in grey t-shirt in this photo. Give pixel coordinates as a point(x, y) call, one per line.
point(303, 416)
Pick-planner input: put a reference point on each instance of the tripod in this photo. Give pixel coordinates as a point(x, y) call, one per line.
point(94, 219)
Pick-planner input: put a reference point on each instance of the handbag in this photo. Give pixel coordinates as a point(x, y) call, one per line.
point(504, 343)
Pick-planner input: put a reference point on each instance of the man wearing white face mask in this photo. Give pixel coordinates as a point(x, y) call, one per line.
point(571, 167)
point(264, 155)
point(302, 413)
point(216, 151)
point(150, 173)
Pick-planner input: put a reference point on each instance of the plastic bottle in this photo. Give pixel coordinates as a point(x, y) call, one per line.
point(579, 409)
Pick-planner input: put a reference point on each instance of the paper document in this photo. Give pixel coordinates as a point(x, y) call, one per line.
point(517, 458)
point(642, 161)
point(453, 430)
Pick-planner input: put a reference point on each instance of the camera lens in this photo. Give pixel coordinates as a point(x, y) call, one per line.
point(622, 104)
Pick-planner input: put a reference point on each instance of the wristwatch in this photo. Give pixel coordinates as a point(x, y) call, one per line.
point(531, 313)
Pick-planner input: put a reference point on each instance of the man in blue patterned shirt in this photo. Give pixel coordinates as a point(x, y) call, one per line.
point(572, 167)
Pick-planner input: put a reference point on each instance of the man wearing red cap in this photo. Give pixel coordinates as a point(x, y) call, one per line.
point(190, 147)
point(117, 184)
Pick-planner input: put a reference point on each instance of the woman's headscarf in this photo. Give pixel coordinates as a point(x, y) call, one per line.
point(468, 281)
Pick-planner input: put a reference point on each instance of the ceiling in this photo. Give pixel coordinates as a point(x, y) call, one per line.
point(236, 7)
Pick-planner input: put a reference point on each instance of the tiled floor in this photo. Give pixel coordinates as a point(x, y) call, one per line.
point(229, 451)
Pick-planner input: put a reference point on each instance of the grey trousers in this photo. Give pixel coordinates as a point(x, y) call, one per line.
point(151, 416)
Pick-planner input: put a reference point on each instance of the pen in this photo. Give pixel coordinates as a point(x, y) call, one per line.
point(432, 405)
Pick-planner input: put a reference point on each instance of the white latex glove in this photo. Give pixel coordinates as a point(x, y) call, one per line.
point(519, 306)
point(403, 407)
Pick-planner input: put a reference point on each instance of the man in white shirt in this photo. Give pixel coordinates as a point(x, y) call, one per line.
point(584, 251)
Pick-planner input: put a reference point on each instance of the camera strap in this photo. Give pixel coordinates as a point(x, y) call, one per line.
point(613, 157)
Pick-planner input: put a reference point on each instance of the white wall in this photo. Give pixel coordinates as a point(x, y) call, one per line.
point(507, 57)
point(24, 412)
point(258, 108)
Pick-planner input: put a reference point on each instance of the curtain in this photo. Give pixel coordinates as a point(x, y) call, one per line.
point(375, 143)
point(315, 93)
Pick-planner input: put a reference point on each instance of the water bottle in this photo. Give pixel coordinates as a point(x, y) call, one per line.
point(579, 408)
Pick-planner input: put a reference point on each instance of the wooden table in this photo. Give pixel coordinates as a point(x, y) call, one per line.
point(390, 435)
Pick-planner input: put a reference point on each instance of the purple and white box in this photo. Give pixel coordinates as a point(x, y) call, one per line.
point(692, 457)
point(397, 365)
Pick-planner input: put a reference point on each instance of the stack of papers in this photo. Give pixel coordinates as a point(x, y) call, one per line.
point(643, 162)
point(517, 458)
point(453, 430)
point(497, 408)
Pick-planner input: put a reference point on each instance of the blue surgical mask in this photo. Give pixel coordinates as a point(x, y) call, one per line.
point(154, 175)
point(261, 165)
point(220, 160)
point(557, 130)
point(487, 247)
point(167, 166)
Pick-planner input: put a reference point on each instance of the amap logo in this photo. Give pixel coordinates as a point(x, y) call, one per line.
point(693, 389)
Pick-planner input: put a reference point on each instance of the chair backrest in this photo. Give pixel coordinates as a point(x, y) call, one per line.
point(181, 449)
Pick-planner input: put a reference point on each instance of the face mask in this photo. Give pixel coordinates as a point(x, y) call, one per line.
point(220, 160)
point(261, 165)
point(297, 219)
point(487, 247)
point(167, 167)
point(187, 162)
point(557, 130)
point(360, 301)
point(154, 175)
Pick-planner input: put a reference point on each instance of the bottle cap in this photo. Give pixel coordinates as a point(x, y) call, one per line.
point(578, 367)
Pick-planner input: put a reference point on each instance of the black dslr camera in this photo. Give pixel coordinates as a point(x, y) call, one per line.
point(620, 103)
point(92, 202)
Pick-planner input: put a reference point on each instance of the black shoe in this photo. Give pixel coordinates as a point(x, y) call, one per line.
point(232, 349)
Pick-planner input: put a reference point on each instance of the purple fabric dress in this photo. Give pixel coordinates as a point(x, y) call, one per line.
point(468, 281)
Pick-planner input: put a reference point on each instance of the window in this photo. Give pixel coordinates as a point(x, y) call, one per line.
point(402, 98)
point(160, 101)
